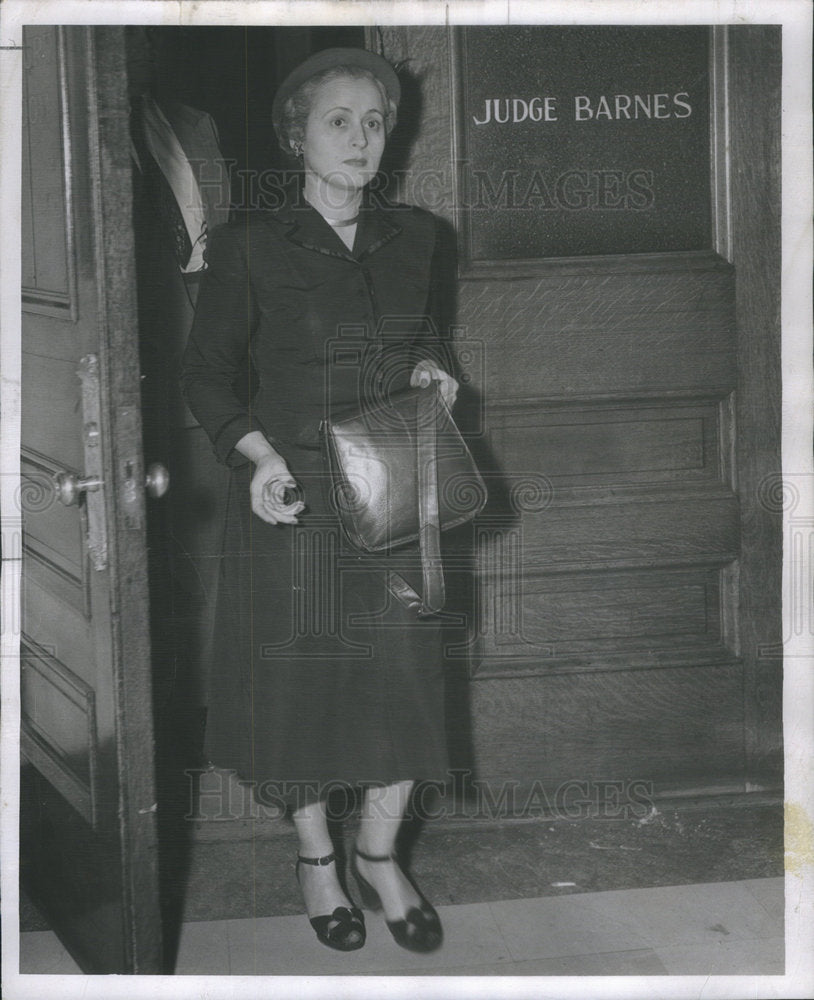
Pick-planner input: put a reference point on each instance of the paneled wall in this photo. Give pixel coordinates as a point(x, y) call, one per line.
point(628, 417)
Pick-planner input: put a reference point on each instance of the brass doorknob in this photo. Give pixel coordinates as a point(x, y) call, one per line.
point(158, 480)
point(69, 487)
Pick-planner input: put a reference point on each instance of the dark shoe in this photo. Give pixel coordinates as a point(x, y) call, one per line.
point(420, 928)
point(344, 929)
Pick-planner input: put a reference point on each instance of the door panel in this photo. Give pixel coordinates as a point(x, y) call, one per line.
point(48, 251)
point(622, 334)
point(88, 839)
point(663, 727)
point(59, 728)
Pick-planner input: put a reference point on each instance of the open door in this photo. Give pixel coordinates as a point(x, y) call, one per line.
point(87, 812)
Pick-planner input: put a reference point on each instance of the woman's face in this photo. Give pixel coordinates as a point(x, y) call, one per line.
point(344, 135)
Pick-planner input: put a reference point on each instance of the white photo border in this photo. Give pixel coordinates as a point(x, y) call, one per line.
point(795, 18)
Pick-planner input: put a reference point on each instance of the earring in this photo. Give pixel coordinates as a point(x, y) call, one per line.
point(296, 148)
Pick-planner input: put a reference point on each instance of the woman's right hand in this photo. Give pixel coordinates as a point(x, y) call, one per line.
point(270, 481)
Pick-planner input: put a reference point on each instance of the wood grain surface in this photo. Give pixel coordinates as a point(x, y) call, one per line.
point(755, 63)
point(625, 413)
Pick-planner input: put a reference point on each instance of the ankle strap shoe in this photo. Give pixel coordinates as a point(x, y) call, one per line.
point(342, 930)
point(420, 929)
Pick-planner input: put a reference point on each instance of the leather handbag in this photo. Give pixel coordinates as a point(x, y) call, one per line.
point(402, 473)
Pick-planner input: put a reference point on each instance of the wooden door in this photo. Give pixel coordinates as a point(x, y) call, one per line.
point(88, 813)
point(628, 564)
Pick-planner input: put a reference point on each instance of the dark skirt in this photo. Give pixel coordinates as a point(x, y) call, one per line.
point(319, 678)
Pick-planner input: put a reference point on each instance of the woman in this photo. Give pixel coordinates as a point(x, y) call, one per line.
point(321, 678)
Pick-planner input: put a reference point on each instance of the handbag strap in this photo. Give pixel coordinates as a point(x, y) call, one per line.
point(429, 520)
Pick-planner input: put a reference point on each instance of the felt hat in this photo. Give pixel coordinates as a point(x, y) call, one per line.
point(328, 59)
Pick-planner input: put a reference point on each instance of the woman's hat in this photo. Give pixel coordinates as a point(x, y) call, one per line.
point(327, 59)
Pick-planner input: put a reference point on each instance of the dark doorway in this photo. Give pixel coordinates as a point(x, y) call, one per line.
point(215, 87)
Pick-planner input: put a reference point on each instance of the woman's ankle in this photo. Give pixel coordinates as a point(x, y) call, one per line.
point(321, 889)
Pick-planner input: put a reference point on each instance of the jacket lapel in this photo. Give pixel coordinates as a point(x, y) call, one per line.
point(307, 228)
point(376, 228)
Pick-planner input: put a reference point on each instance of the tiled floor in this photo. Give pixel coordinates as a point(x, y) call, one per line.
point(718, 928)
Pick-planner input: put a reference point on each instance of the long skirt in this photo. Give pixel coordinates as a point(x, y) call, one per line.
point(320, 677)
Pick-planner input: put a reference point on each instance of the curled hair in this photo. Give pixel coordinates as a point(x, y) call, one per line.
point(298, 106)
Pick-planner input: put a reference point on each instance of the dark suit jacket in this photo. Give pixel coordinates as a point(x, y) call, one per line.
point(322, 325)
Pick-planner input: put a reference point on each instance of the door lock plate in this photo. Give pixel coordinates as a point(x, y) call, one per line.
point(88, 373)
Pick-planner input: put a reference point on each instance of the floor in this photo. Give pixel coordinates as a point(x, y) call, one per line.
point(713, 928)
point(468, 861)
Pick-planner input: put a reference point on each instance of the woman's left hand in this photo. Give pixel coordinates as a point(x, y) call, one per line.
point(426, 372)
